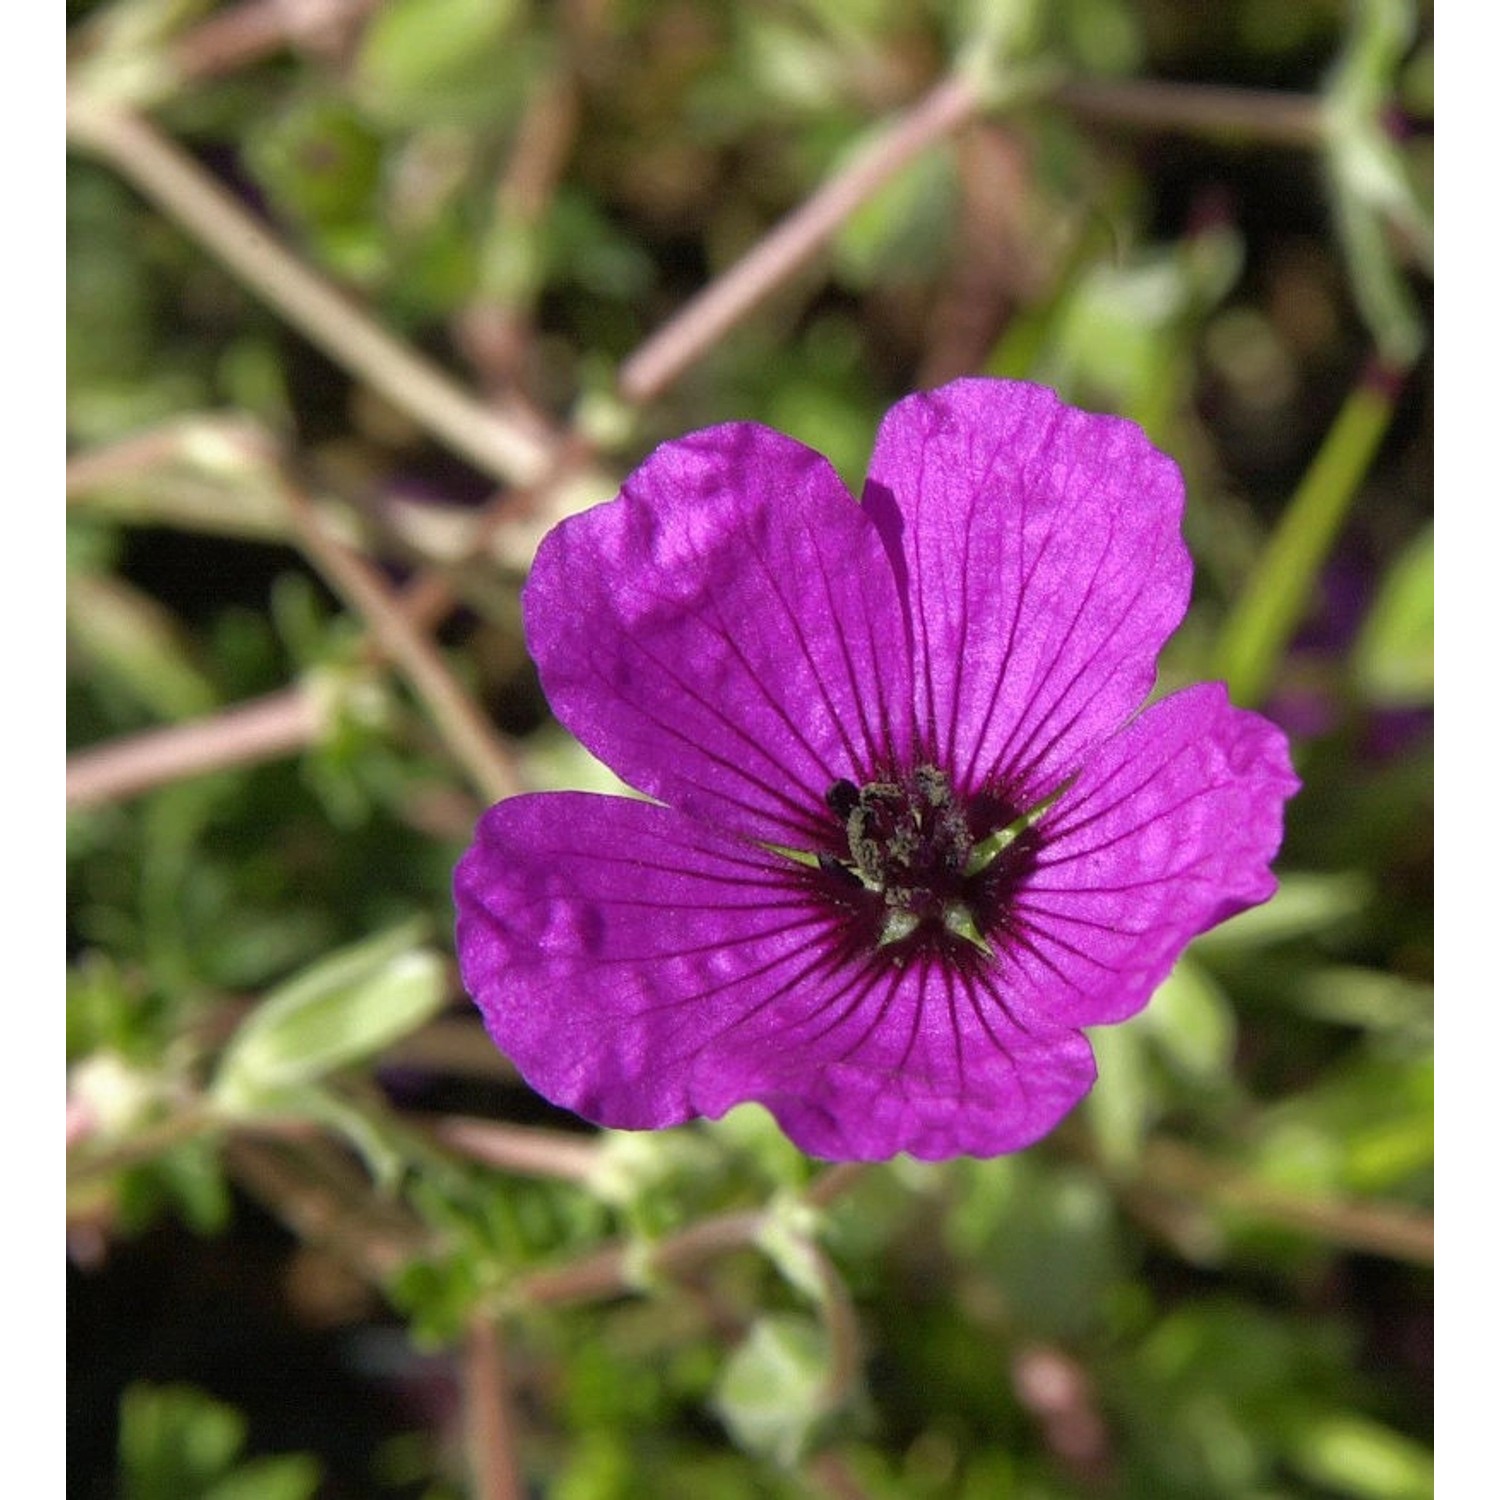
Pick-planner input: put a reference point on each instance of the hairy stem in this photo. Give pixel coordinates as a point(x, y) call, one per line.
point(280, 723)
point(607, 1272)
point(1257, 117)
point(518, 1148)
point(232, 39)
point(1388, 1229)
point(301, 1185)
point(795, 240)
point(488, 1419)
point(464, 728)
point(172, 180)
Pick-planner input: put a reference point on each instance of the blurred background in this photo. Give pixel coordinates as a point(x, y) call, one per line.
point(366, 294)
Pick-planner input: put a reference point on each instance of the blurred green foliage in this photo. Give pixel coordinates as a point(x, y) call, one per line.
point(1214, 1280)
point(178, 1444)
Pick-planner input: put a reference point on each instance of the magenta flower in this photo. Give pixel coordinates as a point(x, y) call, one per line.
point(912, 827)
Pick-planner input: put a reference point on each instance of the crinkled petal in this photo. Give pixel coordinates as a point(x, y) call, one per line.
point(726, 634)
point(641, 969)
point(1044, 569)
point(606, 940)
point(924, 1059)
point(1169, 830)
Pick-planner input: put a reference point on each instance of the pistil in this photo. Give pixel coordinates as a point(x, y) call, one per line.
point(912, 849)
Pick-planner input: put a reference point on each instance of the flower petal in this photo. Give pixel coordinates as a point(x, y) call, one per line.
point(640, 969)
point(923, 1060)
point(726, 633)
point(1168, 831)
point(608, 941)
point(1044, 568)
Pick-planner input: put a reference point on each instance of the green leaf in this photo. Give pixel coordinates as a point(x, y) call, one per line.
point(1120, 336)
point(1366, 1127)
point(118, 632)
point(341, 1010)
point(904, 228)
point(788, 1241)
point(292, 1477)
point(178, 1444)
point(1192, 1023)
point(1303, 905)
point(319, 161)
point(440, 61)
point(1352, 1455)
point(1372, 999)
point(1045, 1235)
point(1393, 657)
point(1119, 1107)
point(195, 1183)
point(769, 1394)
point(174, 1440)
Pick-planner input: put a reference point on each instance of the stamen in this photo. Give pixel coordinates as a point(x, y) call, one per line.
point(842, 797)
point(912, 850)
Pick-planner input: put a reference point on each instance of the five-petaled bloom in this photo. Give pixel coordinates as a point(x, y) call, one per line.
point(912, 827)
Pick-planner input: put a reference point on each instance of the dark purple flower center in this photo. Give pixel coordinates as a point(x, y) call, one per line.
point(918, 871)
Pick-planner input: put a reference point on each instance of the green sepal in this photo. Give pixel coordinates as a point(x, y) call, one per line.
point(991, 847)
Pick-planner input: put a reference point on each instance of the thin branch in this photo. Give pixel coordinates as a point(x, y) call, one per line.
point(1255, 117)
point(496, 326)
point(242, 34)
point(280, 723)
point(129, 458)
point(837, 1310)
point(517, 1148)
point(1389, 1229)
point(321, 1211)
point(465, 730)
point(172, 180)
point(795, 240)
point(995, 267)
point(834, 1182)
point(595, 1277)
point(287, 721)
point(488, 1421)
point(90, 1162)
point(829, 1471)
point(608, 1271)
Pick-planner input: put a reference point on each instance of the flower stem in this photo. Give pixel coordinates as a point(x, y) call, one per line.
point(187, 1124)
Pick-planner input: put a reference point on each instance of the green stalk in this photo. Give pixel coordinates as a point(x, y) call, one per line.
point(1272, 604)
